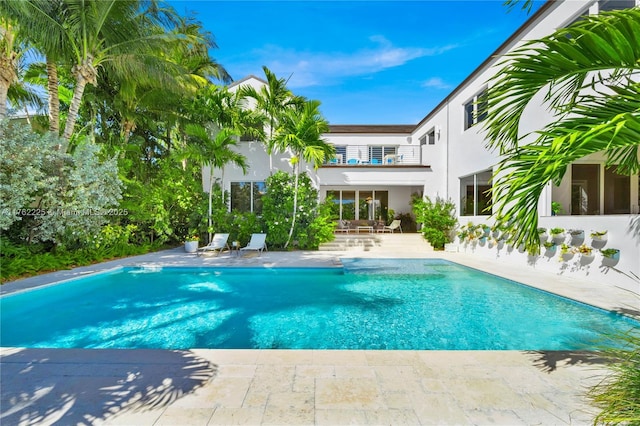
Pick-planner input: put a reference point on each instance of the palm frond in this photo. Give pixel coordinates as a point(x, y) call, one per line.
point(561, 64)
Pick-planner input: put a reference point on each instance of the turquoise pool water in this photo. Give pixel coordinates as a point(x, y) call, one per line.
point(370, 304)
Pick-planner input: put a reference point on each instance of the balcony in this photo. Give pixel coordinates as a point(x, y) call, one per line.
point(375, 156)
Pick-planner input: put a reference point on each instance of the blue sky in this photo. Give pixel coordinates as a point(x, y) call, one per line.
point(367, 62)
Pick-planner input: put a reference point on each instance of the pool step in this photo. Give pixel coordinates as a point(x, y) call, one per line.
point(376, 242)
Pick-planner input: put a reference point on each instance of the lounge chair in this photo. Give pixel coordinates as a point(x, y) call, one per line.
point(217, 244)
point(392, 227)
point(257, 243)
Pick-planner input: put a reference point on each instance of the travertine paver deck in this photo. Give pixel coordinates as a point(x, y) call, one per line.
point(201, 387)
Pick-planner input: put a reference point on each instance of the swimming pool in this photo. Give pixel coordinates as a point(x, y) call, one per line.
point(368, 304)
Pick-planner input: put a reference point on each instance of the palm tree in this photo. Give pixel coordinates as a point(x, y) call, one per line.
point(272, 100)
point(9, 54)
point(588, 73)
point(300, 131)
point(215, 153)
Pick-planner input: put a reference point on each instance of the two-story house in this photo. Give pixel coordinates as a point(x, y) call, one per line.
point(378, 168)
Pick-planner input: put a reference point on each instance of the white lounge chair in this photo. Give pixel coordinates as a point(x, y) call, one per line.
point(217, 244)
point(257, 243)
point(392, 227)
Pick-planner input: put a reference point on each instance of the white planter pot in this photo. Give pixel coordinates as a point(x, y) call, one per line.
point(191, 246)
point(599, 237)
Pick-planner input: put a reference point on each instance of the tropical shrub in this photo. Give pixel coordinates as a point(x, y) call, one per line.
point(437, 218)
point(54, 196)
point(277, 211)
point(618, 394)
point(166, 204)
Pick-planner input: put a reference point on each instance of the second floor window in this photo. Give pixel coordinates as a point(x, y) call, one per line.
point(475, 110)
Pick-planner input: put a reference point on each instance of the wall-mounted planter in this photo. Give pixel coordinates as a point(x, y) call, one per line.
point(557, 235)
point(577, 237)
point(611, 253)
point(610, 257)
point(565, 257)
point(542, 234)
point(599, 236)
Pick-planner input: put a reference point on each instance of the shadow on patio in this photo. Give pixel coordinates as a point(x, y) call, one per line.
point(81, 386)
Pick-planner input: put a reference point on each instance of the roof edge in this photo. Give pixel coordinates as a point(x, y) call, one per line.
point(491, 57)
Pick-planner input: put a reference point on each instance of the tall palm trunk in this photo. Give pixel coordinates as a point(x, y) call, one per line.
point(4, 89)
point(127, 128)
point(54, 99)
point(7, 77)
point(295, 202)
point(84, 73)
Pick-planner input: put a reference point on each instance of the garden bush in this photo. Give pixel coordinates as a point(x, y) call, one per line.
point(438, 220)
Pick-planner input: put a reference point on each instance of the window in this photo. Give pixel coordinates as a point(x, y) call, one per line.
point(247, 196)
point(431, 136)
point(423, 139)
point(379, 153)
point(605, 5)
point(371, 205)
point(617, 192)
point(585, 189)
point(475, 110)
point(475, 195)
point(341, 153)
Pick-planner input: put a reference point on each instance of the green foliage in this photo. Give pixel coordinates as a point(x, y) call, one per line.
point(168, 204)
point(20, 260)
point(618, 395)
point(438, 220)
point(56, 196)
point(407, 222)
point(609, 252)
point(312, 220)
point(242, 225)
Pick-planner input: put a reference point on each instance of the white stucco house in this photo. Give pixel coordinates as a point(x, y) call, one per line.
point(444, 155)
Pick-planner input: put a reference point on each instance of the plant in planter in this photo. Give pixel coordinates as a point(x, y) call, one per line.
point(566, 249)
point(550, 248)
point(496, 231)
point(557, 232)
point(611, 253)
point(486, 229)
point(556, 208)
point(585, 250)
point(566, 252)
point(191, 243)
point(599, 235)
point(542, 233)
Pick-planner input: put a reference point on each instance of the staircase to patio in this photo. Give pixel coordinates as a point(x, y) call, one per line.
point(377, 242)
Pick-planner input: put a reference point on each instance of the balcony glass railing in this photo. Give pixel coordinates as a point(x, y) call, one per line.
point(366, 155)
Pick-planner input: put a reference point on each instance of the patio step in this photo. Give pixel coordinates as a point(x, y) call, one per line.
point(375, 242)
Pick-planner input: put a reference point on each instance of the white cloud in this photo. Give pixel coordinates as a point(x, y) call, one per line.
point(308, 68)
point(436, 82)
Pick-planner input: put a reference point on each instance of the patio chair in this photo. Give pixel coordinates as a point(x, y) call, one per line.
point(217, 244)
point(257, 243)
point(343, 226)
point(392, 227)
